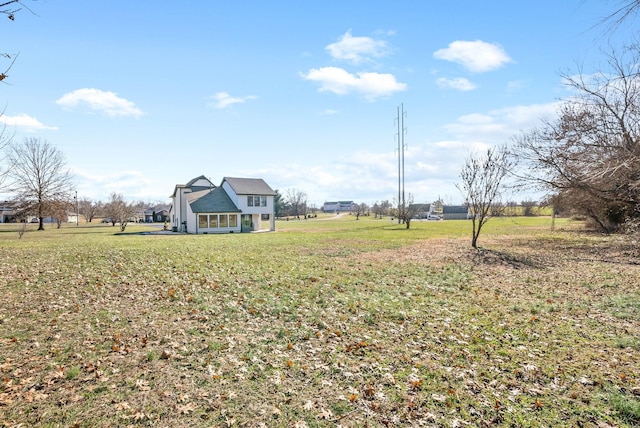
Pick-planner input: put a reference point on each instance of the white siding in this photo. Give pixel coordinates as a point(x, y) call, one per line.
point(256, 212)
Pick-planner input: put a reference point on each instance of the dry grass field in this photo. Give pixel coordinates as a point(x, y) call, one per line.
point(322, 323)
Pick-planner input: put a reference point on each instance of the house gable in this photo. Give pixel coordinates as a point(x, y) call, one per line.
point(200, 183)
point(194, 185)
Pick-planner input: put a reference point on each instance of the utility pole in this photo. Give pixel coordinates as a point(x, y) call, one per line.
point(77, 209)
point(402, 130)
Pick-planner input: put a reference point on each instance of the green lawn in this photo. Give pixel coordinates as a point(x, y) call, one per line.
point(325, 322)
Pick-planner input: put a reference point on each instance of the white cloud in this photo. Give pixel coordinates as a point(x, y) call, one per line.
point(362, 176)
point(461, 147)
point(341, 82)
point(460, 84)
point(477, 56)
point(357, 49)
point(432, 168)
point(25, 122)
point(132, 185)
point(106, 102)
point(223, 100)
point(499, 125)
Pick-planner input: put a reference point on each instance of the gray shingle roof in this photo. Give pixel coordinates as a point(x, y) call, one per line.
point(249, 186)
point(455, 209)
point(216, 201)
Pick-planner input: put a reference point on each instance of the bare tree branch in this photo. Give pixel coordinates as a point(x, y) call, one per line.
point(591, 153)
point(622, 13)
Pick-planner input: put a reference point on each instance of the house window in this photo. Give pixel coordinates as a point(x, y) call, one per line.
point(213, 221)
point(256, 201)
point(202, 220)
point(233, 220)
point(265, 217)
point(223, 220)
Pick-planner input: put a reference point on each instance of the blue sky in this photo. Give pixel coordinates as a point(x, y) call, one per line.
point(304, 94)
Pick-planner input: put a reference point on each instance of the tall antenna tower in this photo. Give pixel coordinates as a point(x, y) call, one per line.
point(402, 130)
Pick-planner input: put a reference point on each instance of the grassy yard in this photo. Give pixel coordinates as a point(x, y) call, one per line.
point(325, 322)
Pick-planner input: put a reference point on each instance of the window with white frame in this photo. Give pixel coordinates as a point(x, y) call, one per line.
point(256, 201)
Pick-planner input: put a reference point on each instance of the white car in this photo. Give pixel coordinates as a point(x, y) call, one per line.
point(433, 217)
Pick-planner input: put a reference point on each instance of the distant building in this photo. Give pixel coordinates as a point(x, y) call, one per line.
point(337, 207)
point(72, 217)
point(7, 213)
point(420, 210)
point(455, 212)
point(436, 207)
point(158, 213)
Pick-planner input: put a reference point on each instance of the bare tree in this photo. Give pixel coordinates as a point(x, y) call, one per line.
point(358, 210)
point(38, 177)
point(527, 207)
point(120, 211)
point(407, 210)
point(89, 209)
point(591, 153)
point(22, 229)
point(297, 201)
point(482, 182)
point(59, 211)
point(364, 208)
point(381, 209)
point(377, 210)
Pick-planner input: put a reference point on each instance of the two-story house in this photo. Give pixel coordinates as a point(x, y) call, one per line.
point(237, 205)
